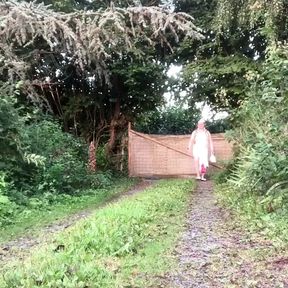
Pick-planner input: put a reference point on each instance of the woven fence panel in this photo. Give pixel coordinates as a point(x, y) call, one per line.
point(148, 158)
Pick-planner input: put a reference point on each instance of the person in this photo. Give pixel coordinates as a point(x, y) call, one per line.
point(202, 147)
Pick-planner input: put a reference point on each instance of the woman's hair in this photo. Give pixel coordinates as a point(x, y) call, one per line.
point(201, 121)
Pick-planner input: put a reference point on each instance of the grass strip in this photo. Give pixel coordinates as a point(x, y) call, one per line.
point(31, 220)
point(123, 245)
point(254, 213)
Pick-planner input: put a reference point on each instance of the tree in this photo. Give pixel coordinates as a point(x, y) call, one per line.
point(76, 62)
point(172, 120)
point(269, 16)
point(176, 121)
point(214, 67)
point(260, 123)
point(90, 39)
point(72, 5)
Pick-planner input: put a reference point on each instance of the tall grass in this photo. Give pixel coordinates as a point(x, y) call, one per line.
point(257, 213)
point(50, 208)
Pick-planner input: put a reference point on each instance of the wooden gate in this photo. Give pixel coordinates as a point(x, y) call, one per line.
point(167, 155)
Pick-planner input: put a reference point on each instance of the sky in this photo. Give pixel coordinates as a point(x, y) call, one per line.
point(174, 71)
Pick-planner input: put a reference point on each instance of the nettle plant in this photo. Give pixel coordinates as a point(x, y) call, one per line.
point(13, 119)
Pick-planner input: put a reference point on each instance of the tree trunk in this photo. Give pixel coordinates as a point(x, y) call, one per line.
point(115, 117)
point(92, 165)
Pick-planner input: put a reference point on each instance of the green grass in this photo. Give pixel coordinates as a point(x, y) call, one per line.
point(123, 245)
point(30, 221)
point(253, 213)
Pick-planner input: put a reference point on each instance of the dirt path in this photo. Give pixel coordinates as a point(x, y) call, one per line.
point(21, 247)
point(212, 253)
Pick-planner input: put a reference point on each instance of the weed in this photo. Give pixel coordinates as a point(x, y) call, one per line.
point(115, 247)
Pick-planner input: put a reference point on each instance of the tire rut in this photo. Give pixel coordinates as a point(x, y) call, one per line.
point(21, 247)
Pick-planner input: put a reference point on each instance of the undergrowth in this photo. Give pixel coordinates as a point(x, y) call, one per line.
point(267, 216)
point(19, 220)
point(255, 186)
point(116, 247)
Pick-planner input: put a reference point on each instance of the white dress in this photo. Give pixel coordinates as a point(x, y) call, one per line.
point(201, 147)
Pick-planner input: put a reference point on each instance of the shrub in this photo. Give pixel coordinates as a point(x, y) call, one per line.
point(101, 179)
point(11, 125)
point(257, 184)
point(66, 157)
point(262, 132)
point(7, 208)
point(38, 157)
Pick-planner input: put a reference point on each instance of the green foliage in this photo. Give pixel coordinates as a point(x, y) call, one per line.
point(64, 169)
point(262, 134)
point(38, 162)
point(257, 186)
point(202, 10)
point(71, 5)
point(38, 159)
point(37, 156)
point(143, 86)
point(16, 161)
point(2, 182)
point(8, 209)
point(102, 179)
point(176, 121)
point(100, 82)
point(213, 68)
point(270, 17)
point(258, 213)
point(219, 80)
point(19, 220)
point(103, 162)
point(63, 172)
point(81, 256)
point(168, 121)
point(67, 5)
point(11, 125)
point(219, 126)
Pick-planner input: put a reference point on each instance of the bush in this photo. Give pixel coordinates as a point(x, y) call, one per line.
point(175, 121)
point(101, 179)
point(65, 169)
point(7, 208)
point(218, 126)
point(48, 160)
point(262, 132)
point(103, 162)
point(11, 125)
point(40, 164)
point(257, 185)
point(38, 157)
